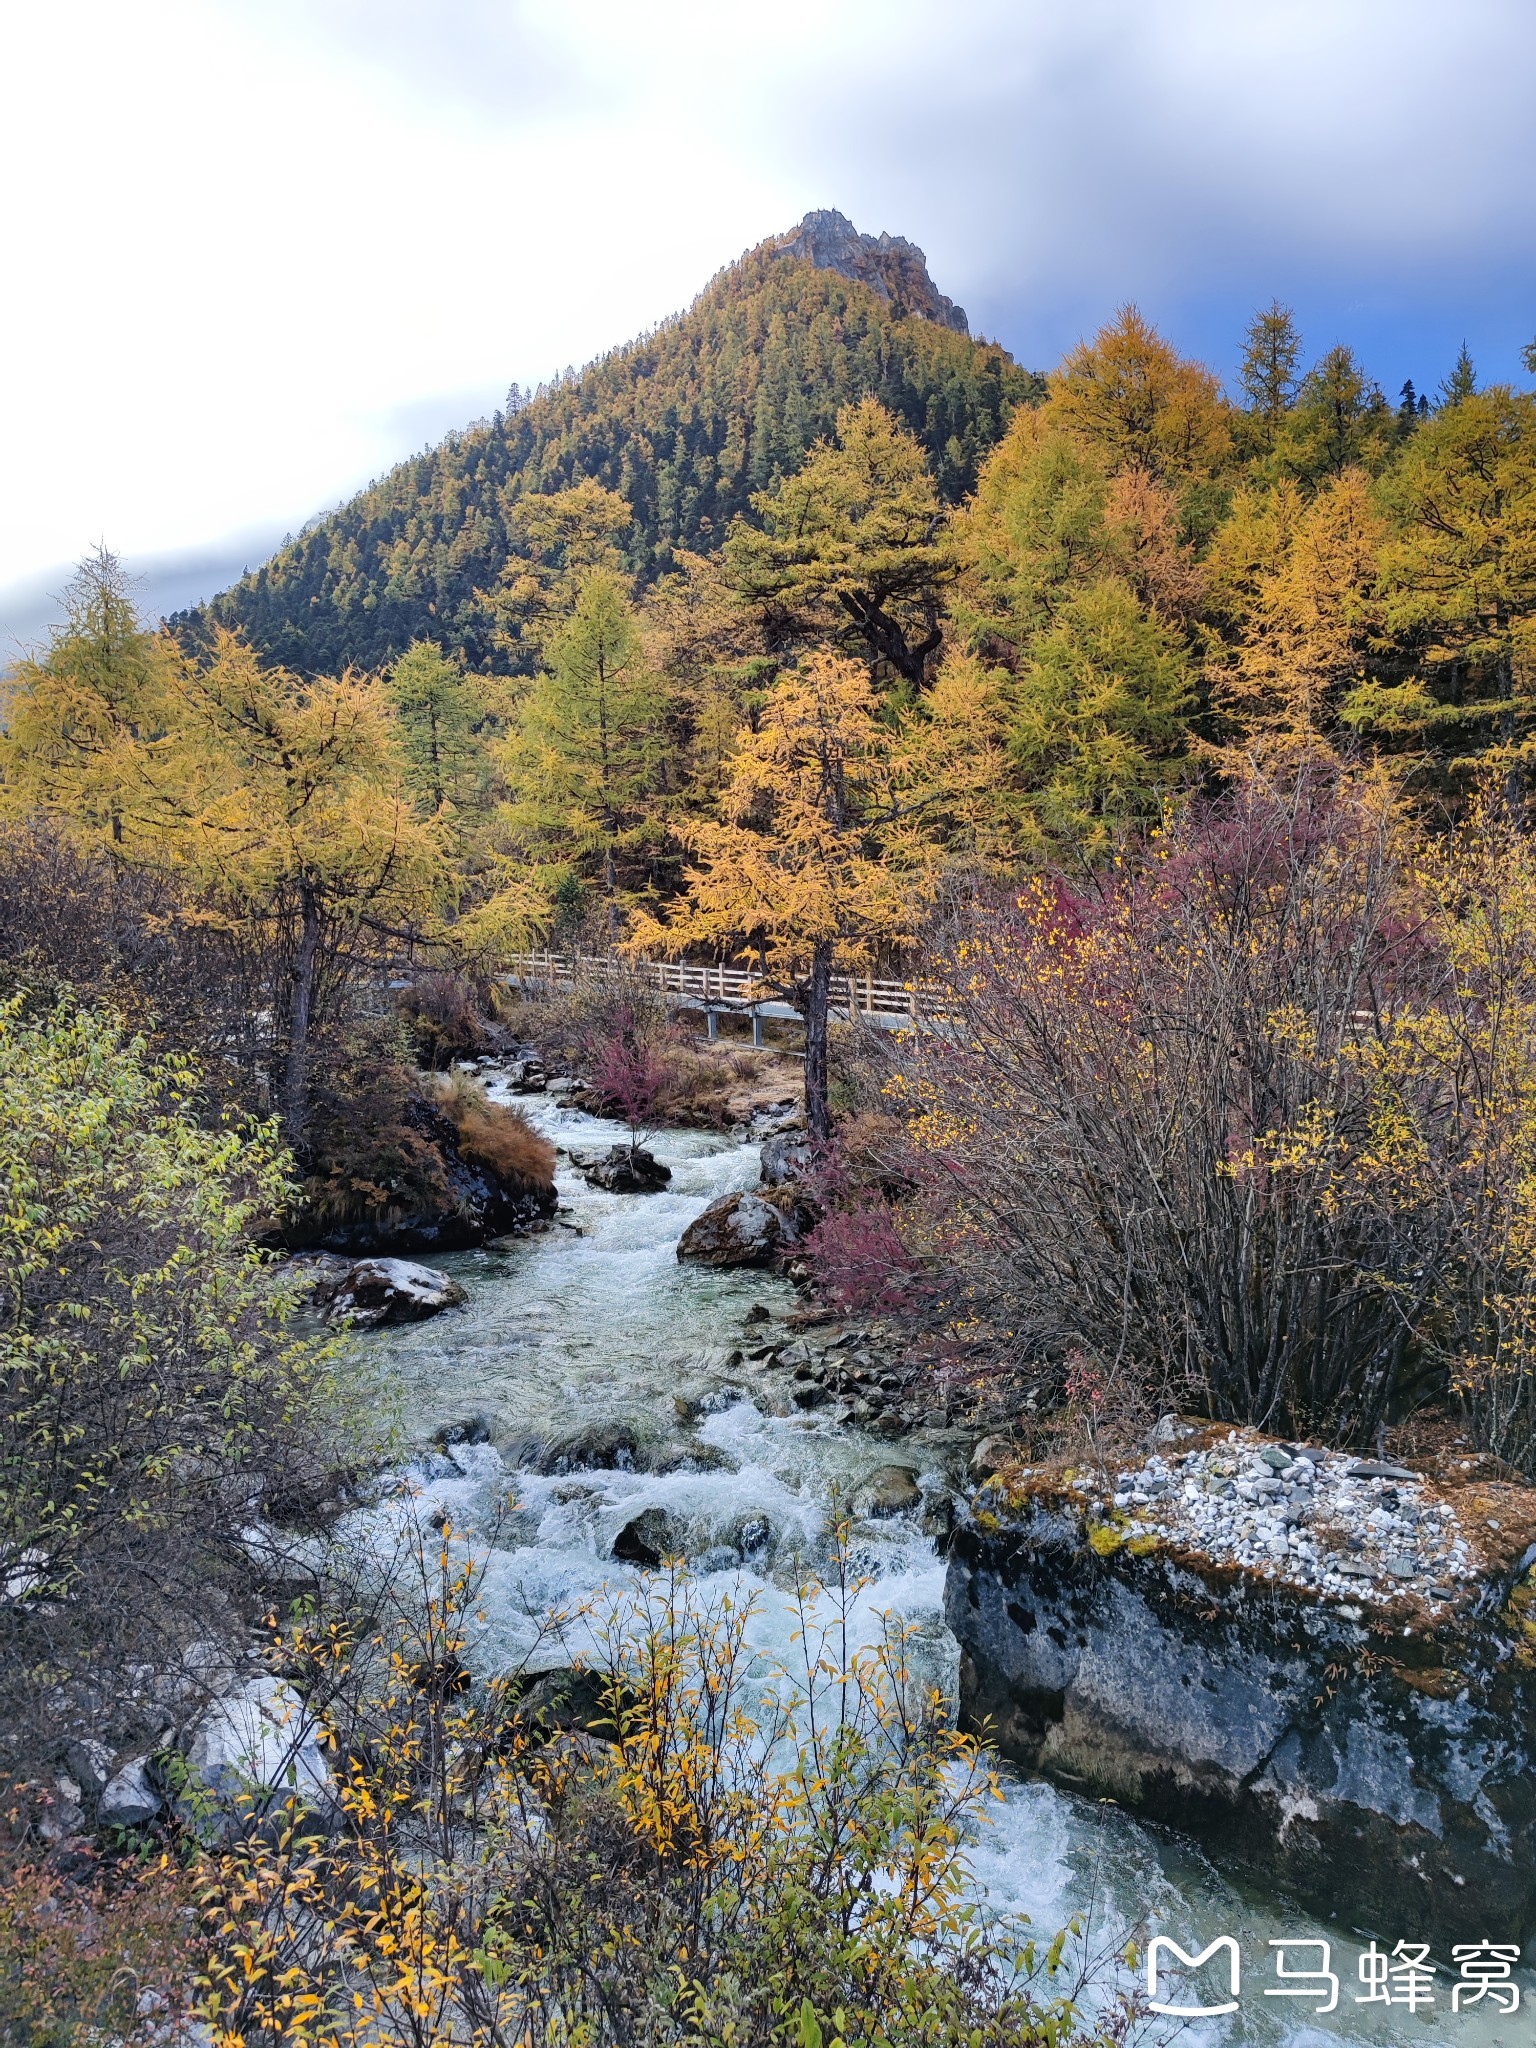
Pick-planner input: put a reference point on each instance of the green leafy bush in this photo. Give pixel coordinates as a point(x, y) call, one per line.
point(152, 1388)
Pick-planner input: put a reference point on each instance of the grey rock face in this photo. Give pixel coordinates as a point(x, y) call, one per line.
point(1388, 1778)
point(256, 1748)
point(889, 265)
point(378, 1291)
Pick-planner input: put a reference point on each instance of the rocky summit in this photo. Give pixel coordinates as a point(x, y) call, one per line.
point(889, 265)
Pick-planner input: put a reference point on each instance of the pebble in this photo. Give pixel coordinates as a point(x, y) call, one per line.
point(1358, 1528)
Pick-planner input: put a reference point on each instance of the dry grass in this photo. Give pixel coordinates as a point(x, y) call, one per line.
point(495, 1135)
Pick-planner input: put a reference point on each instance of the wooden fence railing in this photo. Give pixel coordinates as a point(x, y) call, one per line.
point(869, 995)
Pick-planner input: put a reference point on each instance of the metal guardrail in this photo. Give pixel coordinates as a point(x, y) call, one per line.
point(866, 995)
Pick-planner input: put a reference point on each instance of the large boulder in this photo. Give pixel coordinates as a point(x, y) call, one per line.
point(378, 1291)
point(786, 1158)
point(256, 1748)
point(744, 1229)
point(565, 1702)
point(1365, 1758)
point(623, 1170)
point(892, 1490)
point(523, 1073)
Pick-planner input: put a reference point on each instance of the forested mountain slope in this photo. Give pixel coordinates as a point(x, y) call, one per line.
point(686, 423)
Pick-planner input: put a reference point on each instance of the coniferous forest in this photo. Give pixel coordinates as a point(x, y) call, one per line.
point(1170, 744)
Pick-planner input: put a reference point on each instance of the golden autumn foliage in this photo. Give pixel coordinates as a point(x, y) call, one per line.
point(1131, 395)
point(818, 856)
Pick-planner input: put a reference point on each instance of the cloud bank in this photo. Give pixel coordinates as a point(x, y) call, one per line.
point(258, 249)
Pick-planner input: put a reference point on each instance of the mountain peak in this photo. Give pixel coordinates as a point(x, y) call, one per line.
point(889, 265)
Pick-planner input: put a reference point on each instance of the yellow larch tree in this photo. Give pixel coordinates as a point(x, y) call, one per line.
point(1312, 617)
point(1131, 395)
point(818, 859)
point(297, 829)
point(88, 724)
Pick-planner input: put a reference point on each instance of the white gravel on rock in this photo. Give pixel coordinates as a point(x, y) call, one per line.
point(1337, 1524)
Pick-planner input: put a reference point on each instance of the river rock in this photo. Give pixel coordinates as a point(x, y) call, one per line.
point(523, 1074)
point(89, 1763)
point(786, 1158)
point(129, 1799)
point(1393, 1788)
point(558, 1702)
point(752, 1537)
point(379, 1291)
point(601, 1445)
point(623, 1171)
point(892, 1490)
point(784, 1115)
point(650, 1537)
point(473, 1429)
point(991, 1452)
point(743, 1229)
point(256, 1748)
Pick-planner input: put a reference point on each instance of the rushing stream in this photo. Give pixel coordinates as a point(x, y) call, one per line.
point(592, 1353)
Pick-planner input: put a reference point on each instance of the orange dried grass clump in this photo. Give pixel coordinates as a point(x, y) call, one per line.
point(495, 1135)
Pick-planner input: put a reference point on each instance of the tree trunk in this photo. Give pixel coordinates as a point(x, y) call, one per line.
point(1513, 792)
point(818, 994)
point(296, 1075)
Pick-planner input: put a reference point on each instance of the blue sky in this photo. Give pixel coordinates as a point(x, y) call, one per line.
point(257, 250)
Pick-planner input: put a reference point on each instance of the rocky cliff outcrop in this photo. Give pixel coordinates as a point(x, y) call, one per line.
point(465, 1201)
point(888, 265)
point(1374, 1756)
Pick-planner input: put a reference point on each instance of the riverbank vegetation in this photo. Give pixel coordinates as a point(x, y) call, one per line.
point(675, 1846)
point(156, 1391)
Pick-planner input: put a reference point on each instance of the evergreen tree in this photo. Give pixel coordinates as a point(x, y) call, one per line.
point(582, 759)
point(1267, 375)
point(817, 859)
point(1340, 420)
point(1462, 382)
point(1458, 577)
point(1099, 721)
point(87, 724)
point(299, 833)
point(439, 716)
point(1048, 519)
point(1313, 618)
point(851, 546)
point(1137, 401)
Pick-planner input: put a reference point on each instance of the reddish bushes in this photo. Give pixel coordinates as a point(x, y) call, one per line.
point(1197, 1125)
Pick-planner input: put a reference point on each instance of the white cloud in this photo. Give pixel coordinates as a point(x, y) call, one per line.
point(257, 249)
